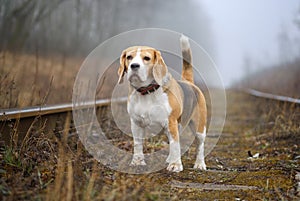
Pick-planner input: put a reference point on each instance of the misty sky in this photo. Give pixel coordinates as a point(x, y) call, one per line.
point(250, 29)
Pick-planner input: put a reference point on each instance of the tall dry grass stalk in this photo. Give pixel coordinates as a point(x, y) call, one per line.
point(62, 188)
point(15, 135)
point(69, 181)
point(90, 187)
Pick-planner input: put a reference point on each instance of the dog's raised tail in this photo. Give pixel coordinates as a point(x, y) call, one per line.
point(187, 67)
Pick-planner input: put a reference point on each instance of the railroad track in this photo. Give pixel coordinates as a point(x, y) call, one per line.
point(10, 114)
point(49, 118)
point(55, 115)
point(271, 96)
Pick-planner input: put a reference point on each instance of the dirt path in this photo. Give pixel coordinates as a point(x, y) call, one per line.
point(266, 130)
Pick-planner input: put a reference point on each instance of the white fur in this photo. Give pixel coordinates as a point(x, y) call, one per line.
point(138, 156)
point(174, 158)
point(184, 42)
point(200, 163)
point(143, 111)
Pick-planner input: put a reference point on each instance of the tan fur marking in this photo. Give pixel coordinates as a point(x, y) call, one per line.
point(202, 111)
point(173, 128)
point(159, 68)
point(122, 69)
point(187, 68)
point(187, 74)
point(175, 101)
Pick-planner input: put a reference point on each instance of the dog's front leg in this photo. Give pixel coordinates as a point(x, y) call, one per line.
point(138, 135)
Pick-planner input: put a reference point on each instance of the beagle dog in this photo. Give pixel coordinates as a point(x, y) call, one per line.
point(157, 101)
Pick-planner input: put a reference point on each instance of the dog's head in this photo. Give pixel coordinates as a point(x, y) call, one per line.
point(142, 65)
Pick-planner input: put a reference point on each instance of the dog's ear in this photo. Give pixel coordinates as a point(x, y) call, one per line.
point(122, 69)
point(160, 69)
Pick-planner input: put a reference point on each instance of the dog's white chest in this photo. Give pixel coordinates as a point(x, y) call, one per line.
point(150, 111)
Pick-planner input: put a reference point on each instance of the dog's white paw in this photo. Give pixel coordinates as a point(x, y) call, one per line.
point(200, 165)
point(175, 167)
point(137, 160)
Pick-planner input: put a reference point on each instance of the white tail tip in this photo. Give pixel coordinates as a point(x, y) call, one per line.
point(184, 42)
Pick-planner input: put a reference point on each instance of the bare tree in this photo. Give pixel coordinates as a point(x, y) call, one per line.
point(20, 18)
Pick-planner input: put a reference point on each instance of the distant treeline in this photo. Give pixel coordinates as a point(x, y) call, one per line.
point(73, 27)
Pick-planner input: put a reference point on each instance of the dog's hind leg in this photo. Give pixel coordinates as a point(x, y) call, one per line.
point(200, 163)
point(200, 118)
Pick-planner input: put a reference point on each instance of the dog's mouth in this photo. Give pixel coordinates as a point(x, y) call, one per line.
point(134, 78)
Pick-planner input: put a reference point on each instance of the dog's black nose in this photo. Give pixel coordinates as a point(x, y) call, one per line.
point(134, 66)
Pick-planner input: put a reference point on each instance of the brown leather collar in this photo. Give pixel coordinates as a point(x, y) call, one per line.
point(148, 89)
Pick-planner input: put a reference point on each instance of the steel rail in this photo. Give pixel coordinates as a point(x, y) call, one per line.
point(15, 113)
point(271, 96)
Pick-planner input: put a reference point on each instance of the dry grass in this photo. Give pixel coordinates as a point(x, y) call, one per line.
point(282, 79)
point(28, 80)
point(279, 124)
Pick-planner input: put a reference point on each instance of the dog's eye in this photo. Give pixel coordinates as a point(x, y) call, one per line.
point(129, 57)
point(147, 58)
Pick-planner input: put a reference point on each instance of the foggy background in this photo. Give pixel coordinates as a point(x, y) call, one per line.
point(251, 35)
point(76, 27)
point(43, 43)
